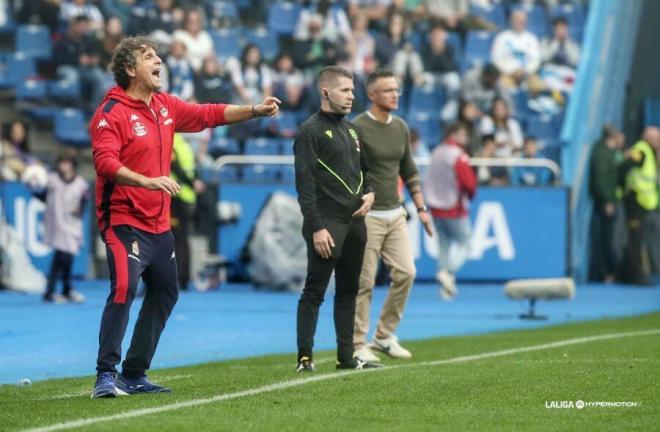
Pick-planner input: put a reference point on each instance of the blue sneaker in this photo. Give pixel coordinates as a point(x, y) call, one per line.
point(105, 386)
point(138, 385)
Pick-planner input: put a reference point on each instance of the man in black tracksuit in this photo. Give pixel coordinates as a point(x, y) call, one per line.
point(334, 198)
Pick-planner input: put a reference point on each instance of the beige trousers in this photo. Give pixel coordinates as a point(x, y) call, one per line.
point(391, 240)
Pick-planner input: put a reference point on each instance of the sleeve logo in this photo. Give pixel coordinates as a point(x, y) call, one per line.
point(103, 123)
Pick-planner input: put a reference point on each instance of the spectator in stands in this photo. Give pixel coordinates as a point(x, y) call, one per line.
point(213, 83)
point(113, 34)
point(373, 10)
point(159, 22)
point(14, 151)
point(470, 116)
point(441, 68)
point(530, 176)
point(392, 40)
point(560, 49)
point(77, 57)
point(361, 47)
point(449, 186)
point(75, 8)
point(336, 27)
point(250, 76)
point(313, 53)
point(603, 187)
point(288, 82)
point(507, 131)
point(481, 85)
point(451, 13)
point(180, 72)
point(491, 175)
point(65, 197)
point(46, 12)
point(408, 67)
point(641, 198)
point(419, 147)
point(121, 9)
point(516, 52)
point(199, 44)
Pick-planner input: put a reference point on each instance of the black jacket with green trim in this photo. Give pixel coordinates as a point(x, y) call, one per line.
point(331, 172)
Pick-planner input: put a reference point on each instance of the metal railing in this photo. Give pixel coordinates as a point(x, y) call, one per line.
point(420, 161)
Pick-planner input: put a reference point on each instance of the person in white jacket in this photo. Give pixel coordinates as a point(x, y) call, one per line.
point(516, 51)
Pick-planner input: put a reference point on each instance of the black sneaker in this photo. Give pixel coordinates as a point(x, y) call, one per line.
point(357, 364)
point(138, 385)
point(305, 364)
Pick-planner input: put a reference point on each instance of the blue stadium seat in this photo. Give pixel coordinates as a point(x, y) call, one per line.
point(229, 174)
point(427, 125)
point(494, 14)
point(261, 173)
point(428, 100)
point(544, 128)
point(477, 49)
point(520, 100)
point(575, 16)
point(288, 174)
point(262, 146)
point(65, 92)
point(222, 145)
point(285, 124)
point(652, 112)
point(537, 20)
point(286, 145)
point(34, 41)
point(31, 89)
point(226, 43)
point(20, 67)
point(283, 17)
point(225, 11)
point(268, 45)
point(71, 127)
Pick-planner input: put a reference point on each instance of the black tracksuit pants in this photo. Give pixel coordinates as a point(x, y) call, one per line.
point(350, 237)
point(61, 264)
point(635, 257)
point(133, 253)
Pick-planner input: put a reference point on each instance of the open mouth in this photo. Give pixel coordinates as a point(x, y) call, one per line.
point(156, 72)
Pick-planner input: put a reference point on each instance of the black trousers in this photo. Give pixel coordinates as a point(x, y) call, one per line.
point(633, 268)
point(181, 216)
point(61, 264)
point(132, 254)
point(603, 261)
point(350, 237)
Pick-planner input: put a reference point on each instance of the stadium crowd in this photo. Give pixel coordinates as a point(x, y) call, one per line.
point(505, 68)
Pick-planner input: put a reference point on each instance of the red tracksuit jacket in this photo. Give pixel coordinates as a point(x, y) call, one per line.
point(127, 132)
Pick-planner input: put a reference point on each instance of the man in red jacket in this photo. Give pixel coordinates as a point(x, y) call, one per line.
point(132, 134)
point(449, 186)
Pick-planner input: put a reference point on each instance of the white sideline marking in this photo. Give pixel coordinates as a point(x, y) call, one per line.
point(330, 376)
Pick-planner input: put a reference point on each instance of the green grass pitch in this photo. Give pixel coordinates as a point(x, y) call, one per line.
point(501, 381)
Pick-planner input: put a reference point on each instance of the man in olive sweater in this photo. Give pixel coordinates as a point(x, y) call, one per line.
point(386, 144)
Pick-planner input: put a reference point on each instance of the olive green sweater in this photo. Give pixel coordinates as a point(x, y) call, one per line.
point(388, 155)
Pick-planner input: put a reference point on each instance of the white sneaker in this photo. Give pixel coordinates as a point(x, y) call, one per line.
point(366, 354)
point(75, 297)
point(448, 281)
point(391, 347)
